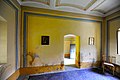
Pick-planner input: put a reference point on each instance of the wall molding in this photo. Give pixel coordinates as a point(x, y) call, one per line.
point(40, 1)
point(75, 6)
point(61, 13)
point(15, 75)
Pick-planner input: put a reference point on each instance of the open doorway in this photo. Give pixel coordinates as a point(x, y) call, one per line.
point(69, 50)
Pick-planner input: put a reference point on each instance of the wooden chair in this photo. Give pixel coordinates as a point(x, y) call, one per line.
point(108, 63)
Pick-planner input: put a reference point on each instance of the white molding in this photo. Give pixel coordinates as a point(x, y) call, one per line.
point(19, 2)
point(94, 9)
point(36, 4)
point(52, 3)
point(32, 1)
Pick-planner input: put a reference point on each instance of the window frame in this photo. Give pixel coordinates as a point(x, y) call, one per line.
point(118, 31)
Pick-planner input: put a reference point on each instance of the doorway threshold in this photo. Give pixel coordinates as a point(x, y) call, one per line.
point(71, 67)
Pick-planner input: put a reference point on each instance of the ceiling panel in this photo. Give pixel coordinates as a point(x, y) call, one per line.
point(81, 4)
point(107, 6)
point(90, 7)
point(41, 1)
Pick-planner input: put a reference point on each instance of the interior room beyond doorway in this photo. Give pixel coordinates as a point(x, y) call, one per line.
point(69, 49)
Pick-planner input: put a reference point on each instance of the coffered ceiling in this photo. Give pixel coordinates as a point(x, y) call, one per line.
point(91, 7)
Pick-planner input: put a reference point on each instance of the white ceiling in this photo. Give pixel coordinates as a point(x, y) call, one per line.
point(92, 7)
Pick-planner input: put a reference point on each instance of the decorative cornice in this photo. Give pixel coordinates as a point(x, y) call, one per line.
point(76, 6)
point(47, 2)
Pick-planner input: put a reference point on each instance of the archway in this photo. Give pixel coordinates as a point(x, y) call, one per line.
point(71, 50)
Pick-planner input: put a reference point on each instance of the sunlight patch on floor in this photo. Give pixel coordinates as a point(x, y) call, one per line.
point(68, 61)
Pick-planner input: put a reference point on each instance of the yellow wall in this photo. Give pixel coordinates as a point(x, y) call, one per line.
point(8, 13)
point(66, 47)
point(56, 28)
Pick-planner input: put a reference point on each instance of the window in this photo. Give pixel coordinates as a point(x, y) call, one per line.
point(118, 41)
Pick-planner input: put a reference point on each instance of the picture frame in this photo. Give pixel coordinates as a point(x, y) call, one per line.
point(44, 40)
point(91, 41)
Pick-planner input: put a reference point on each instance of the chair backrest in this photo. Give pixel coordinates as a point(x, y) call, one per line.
point(111, 59)
point(103, 58)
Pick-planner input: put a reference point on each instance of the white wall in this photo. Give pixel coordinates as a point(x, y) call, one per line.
point(8, 13)
point(114, 25)
point(3, 42)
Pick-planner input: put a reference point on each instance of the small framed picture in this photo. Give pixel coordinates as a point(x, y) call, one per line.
point(44, 40)
point(91, 41)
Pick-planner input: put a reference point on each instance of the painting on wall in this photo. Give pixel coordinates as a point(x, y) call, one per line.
point(91, 41)
point(44, 40)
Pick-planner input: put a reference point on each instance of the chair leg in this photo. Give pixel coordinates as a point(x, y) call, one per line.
point(113, 70)
point(103, 68)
